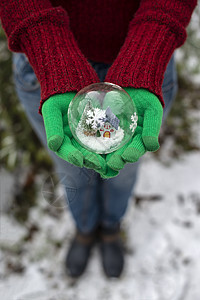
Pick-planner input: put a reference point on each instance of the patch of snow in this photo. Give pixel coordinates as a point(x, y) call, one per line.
point(10, 231)
point(23, 287)
point(177, 177)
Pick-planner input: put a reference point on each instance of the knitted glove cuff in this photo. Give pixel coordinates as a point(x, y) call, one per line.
point(142, 60)
point(57, 61)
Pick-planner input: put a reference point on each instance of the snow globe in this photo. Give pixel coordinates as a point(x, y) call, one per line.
point(102, 117)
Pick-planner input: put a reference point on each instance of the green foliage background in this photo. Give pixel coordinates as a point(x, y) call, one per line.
point(20, 150)
point(18, 143)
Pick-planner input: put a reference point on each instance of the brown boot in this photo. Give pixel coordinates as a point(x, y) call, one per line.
point(79, 253)
point(112, 253)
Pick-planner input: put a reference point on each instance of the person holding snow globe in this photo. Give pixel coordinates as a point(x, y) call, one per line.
point(61, 47)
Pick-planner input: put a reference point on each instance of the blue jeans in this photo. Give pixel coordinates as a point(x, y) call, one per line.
point(91, 199)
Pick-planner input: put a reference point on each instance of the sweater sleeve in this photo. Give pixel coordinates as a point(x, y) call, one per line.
point(157, 29)
point(43, 33)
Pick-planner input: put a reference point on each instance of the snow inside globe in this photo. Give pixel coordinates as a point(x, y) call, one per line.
point(102, 117)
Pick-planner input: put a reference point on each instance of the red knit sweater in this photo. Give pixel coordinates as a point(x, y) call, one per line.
point(59, 36)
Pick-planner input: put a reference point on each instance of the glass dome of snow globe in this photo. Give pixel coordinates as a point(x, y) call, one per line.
point(102, 117)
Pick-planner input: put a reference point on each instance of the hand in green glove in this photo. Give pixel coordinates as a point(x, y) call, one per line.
point(105, 171)
point(60, 140)
point(145, 138)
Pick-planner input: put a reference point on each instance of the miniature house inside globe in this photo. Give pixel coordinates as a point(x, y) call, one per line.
point(102, 117)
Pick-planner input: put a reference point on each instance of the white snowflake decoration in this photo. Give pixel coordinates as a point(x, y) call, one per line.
point(134, 119)
point(96, 117)
point(90, 113)
point(133, 127)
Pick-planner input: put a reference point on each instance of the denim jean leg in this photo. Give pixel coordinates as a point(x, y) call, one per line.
point(115, 195)
point(80, 183)
point(169, 86)
point(117, 191)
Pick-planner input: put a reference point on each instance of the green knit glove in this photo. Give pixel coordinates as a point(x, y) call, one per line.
point(105, 171)
point(145, 138)
point(61, 141)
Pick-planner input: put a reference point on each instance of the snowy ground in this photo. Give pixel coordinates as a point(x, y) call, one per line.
point(162, 228)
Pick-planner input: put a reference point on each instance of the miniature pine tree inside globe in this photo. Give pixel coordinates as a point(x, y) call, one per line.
point(102, 117)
